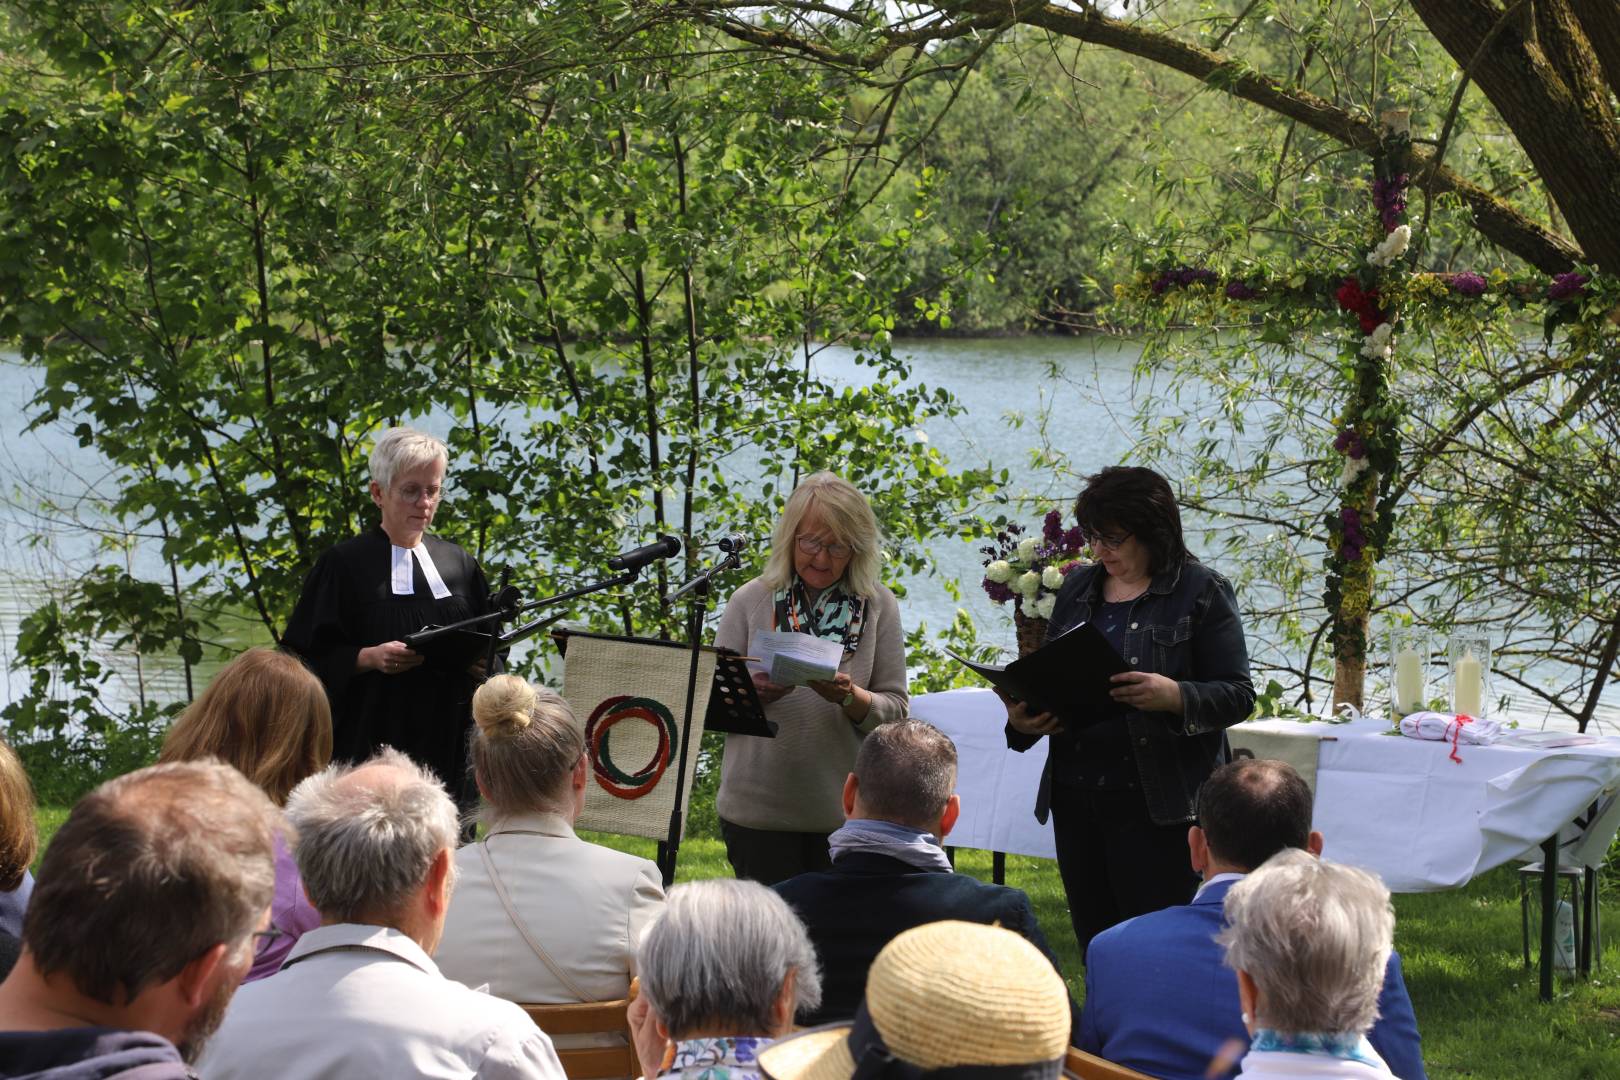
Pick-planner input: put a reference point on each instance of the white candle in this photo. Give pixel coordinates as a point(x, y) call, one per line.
point(1408, 681)
point(1469, 697)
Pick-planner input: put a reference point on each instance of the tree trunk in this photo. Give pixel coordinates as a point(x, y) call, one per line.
point(1544, 77)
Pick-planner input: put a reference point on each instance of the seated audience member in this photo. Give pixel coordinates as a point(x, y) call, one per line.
point(1158, 998)
point(19, 840)
point(141, 926)
point(889, 872)
point(576, 909)
point(359, 995)
point(266, 714)
point(1309, 942)
point(948, 998)
point(725, 968)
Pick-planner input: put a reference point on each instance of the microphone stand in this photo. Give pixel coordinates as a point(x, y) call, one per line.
point(502, 614)
point(696, 611)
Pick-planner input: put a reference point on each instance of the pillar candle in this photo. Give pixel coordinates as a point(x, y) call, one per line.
point(1469, 697)
point(1408, 682)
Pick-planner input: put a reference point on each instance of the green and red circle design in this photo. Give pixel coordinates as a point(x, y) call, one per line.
point(610, 775)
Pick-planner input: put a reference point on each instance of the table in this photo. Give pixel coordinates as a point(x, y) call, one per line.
point(1396, 806)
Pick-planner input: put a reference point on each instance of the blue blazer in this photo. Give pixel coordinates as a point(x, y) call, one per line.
point(1160, 1000)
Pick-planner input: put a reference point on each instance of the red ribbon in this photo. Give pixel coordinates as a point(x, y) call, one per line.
point(1455, 729)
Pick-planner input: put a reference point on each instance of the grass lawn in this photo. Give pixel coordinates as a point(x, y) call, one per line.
point(1477, 1005)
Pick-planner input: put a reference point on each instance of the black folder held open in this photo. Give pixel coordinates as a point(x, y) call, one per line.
point(1069, 675)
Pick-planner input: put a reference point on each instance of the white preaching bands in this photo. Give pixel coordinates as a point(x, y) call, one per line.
point(403, 580)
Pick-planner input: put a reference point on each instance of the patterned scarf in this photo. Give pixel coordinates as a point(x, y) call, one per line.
point(837, 614)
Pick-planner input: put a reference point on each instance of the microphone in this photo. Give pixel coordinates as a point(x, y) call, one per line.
point(636, 558)
point(507, 596)
point(734, 543)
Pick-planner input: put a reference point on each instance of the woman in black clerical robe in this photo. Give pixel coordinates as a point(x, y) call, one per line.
point(365, 595)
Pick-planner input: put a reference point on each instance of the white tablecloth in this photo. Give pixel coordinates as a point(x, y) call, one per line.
point(1400, 807)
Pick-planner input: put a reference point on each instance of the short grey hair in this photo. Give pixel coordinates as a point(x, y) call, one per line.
point(401, 449)
point(718, 954)
point(906, 772)
point(364, 849)
point(1315, 938)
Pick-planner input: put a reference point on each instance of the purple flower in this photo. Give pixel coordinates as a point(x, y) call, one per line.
point(1354, 539)
point(1389, 197)
point(1468, 283)
point(997, 591)
point(1241, 290)
point(1074, 540)
point(1070, 567)
point(1566, 285)
point(1349, 444)
point(1052, 528)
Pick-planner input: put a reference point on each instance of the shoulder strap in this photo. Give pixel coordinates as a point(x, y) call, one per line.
point(538, 949)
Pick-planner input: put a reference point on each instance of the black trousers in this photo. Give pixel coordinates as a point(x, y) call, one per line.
point(767, 856)
point(1115, 862)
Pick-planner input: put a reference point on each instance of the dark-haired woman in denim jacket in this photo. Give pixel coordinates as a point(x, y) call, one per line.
point(1122, 787)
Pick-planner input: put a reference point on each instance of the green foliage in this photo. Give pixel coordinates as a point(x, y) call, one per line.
point(239, 240)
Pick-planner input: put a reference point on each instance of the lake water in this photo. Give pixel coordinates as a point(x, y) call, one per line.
point(48, 518)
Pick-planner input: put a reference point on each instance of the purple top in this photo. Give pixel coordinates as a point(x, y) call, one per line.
point(290, 912)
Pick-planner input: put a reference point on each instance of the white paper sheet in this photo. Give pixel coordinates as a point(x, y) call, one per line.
point(792, 659)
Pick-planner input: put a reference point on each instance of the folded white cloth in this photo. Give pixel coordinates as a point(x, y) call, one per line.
point(1451, 728)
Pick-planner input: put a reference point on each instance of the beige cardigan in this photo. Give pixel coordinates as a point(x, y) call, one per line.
point(794, 782)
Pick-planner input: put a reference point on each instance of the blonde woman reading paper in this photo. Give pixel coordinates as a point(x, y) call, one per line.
point(780, 798)
point(538, 914)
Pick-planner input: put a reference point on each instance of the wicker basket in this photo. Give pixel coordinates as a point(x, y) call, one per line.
point(1031, 632)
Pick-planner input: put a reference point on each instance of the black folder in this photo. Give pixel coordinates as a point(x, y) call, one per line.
point(448, 648)
point(1069, 675)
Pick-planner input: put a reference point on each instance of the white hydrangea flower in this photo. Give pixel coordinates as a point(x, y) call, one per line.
point(1380, 343)
point(1045, 605)
point(1001, 571)
point(1028, 583)
point(1391, 247)
point(1026, 548)
point(1052, 577)
point(1353, 467)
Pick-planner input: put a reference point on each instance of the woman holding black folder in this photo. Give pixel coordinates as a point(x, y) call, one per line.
point(366, 594)
point(1122, 784)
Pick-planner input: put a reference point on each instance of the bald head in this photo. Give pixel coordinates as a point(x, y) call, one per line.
point(1252, 808)
point(368, 836)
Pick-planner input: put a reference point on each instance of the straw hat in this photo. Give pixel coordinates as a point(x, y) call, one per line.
point(941, 995)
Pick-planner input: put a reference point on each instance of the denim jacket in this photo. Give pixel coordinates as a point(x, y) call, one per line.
point(1184, 626)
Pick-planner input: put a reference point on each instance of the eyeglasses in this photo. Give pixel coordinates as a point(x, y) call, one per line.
point(263, 939)
point(811, 546)
point(1097, 539)
point(412, 493)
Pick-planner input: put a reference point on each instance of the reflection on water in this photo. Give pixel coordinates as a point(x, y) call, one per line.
point(51, 527)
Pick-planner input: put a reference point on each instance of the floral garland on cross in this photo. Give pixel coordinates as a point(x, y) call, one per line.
point(1367, 438)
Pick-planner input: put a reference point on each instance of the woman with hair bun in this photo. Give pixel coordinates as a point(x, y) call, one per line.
point(540, 915)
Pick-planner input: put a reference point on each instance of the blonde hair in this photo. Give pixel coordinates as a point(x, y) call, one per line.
point(401, 449)
point(266, 714)
point(19, 838)
point(524, 747)
point(846, 514)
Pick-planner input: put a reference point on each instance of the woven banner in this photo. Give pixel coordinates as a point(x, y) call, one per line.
point(631, 697)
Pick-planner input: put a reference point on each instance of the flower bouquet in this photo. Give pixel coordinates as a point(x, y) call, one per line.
point(1029, 570)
